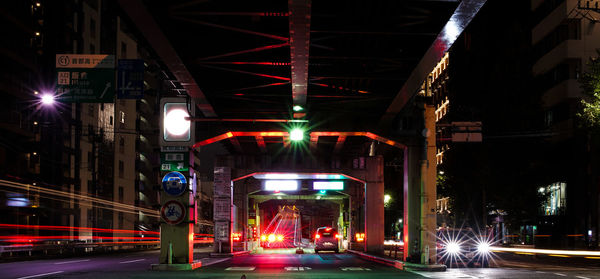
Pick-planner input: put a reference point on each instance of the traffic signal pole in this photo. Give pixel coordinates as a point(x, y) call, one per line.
point(177, 199)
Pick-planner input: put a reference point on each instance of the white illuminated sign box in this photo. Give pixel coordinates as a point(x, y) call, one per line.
point(281, 185)
point(328, 185)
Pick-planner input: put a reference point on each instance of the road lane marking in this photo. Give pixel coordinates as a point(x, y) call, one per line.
point(560, 274)
point(297, 268)
point(76, 261)
point(353, 268)
point(582, 277)
point(39, 275)
point(213, 262)
point(240, 268)
point(132, 261)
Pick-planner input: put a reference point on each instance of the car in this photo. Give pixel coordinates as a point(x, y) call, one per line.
point(463, 247)
point(327, 239)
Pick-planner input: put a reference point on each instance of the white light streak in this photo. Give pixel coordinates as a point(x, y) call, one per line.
point(547, 251)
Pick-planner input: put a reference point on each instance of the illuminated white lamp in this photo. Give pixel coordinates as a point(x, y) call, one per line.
point(176, 122)
point(328, 185)
point(47, 99)
point(281, 185)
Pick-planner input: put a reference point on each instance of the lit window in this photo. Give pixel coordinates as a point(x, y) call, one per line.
point(122, 117)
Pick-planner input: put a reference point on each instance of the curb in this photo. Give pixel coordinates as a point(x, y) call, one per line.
point(176, 267)
point(399, 264)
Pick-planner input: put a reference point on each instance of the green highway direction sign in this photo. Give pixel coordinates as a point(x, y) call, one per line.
point(174, 161)
point(85, 78)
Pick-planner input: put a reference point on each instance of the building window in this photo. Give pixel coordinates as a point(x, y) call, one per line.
point(568, 30)
point(111, 120)
point(121, 169)
point(555, 203)
point(122, 117)
point(120, 194)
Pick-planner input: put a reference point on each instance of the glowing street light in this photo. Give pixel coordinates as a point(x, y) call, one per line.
point(386, 199)
point(47, 99)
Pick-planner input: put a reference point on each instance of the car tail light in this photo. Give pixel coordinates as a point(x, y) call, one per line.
point(263, 238)
point(317, 236)
point(271, 238)
point(279, 238)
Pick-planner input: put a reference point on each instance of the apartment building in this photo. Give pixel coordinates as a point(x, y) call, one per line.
point(565, 35)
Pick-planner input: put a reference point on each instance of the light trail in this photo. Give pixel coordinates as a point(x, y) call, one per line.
point(71, 196)
point(69, 228)
point(28, 238)
point(547, 251)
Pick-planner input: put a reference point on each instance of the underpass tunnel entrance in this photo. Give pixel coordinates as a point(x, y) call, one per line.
point(273, 214)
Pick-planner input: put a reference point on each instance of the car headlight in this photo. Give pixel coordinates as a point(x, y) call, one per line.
point(483, 247)
point(453, 248)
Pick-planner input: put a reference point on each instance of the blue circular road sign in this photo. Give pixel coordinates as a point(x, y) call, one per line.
point(174, 183)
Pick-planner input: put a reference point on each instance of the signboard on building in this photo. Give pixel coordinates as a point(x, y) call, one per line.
point(222, 208)
point(130, 79)
point(174, 161)
point(222, 184)
point(85, 78)
point(222, 231)
point(174, 183)
point(172, 212)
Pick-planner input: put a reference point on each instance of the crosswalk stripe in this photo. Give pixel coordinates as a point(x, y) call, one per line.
point(241, 268)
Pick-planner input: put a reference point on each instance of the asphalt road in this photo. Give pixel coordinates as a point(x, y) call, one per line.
point(271, 265)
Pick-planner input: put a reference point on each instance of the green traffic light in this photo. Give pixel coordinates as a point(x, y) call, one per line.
point(297, 134)
point(298, 108)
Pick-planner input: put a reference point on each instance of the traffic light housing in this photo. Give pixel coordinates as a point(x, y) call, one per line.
point(176, 128)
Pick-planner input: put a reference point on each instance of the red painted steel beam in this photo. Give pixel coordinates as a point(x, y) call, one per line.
point(340, 88)
point(262, 48)
point(260, 141)
point(314, 140)
point(246, 72)
point(234, 29)
point(240, 134)
point(144, 22)
point(263, 14)
point(339, 144)
point(246, 63)
point(254, 87)
point(299, 19)
point(236, 144)
point(314, 137)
